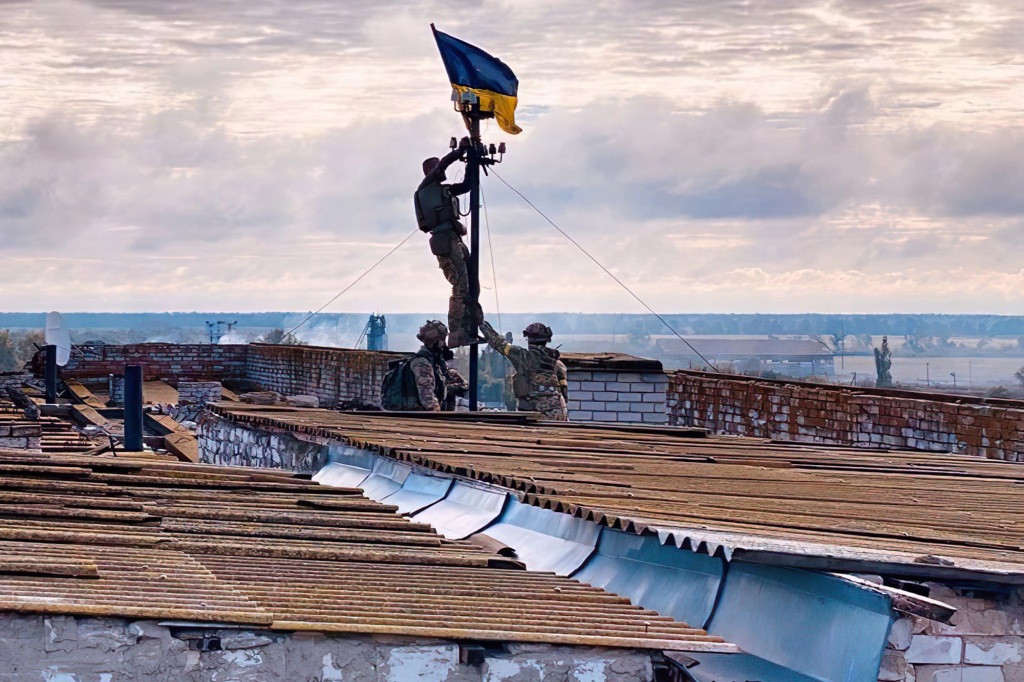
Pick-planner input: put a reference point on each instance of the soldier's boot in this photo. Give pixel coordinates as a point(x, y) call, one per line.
point(456, 321)
point(461, 315)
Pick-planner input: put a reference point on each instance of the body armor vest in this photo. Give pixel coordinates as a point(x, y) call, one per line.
point(540, 378)
point(437, 205)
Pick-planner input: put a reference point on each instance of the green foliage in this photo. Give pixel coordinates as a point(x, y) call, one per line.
point(28, 345)
point(1020, 375)
point(8, 352)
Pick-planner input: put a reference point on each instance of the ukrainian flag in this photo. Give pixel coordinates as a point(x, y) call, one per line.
point(470, 69)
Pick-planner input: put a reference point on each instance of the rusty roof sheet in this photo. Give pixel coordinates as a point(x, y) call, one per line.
point(799, 504)
point(141, 536)
point(611, 362)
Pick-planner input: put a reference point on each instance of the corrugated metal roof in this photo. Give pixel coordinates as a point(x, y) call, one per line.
point(143, 537)
point(910, 513)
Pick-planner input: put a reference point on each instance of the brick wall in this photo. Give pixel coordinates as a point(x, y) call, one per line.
point(193, 396)
point(115, 389)
point(334, 375)
point(636, 397)
point(198, 392)
point(225, 443)
point(21, 436)
point(601, 387)
point(847, 415)
point(984, 641)
point(169, 361)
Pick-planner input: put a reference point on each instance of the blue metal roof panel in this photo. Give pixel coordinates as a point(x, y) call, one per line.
point(545, 540)
point(678, 584)
point(419, 491)
point(340, 475)
point(464, 511)
point(845, 627)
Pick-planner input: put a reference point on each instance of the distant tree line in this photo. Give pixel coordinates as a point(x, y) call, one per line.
point(636, 325)
point(18, 348)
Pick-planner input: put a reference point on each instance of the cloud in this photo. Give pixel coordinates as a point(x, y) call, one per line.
point(834, 148)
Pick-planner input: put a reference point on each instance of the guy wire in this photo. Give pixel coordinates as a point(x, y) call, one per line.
point(490, 249)
point(606, 270)
point(353, 283)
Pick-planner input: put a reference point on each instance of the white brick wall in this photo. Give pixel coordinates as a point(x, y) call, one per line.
point(611, 396)
point(983, 642)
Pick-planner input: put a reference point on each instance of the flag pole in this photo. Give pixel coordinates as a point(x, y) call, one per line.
point(473, 171)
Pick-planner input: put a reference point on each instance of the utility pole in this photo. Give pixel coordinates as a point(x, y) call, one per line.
point(473, 114)
point(478, 157)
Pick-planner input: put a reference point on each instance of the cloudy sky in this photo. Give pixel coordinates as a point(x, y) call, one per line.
point(717, 155)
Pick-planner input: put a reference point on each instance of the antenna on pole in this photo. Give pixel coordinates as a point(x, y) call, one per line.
point(57, 334)
point(58, 352)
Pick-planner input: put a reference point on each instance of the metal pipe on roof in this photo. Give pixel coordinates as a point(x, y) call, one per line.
point(133, 408)
point(51, 375)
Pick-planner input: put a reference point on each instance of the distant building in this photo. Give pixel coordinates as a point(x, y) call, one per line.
point(377, 333)
point(794, 357)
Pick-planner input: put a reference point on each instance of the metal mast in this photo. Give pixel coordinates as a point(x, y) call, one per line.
point(473, 115)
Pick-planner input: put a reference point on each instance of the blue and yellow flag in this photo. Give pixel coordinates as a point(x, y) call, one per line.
point(470, 69)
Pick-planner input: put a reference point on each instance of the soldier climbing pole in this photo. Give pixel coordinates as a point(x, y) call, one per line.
point(483, 87)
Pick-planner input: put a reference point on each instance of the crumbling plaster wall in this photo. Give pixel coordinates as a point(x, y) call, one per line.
point(984, 641)
point(36, 648)
point(228, 444)
point(845, 415)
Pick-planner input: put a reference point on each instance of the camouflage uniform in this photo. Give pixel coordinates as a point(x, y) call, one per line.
point(540, 380)
point(457, 388)
point(428, 368)
point(437, 213)
point(454, 267)
point(430, 372)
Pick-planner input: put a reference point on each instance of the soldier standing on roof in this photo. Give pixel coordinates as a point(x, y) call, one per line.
point(429, 368)
point(540, 381)
point(420, 382)
point(437, 212)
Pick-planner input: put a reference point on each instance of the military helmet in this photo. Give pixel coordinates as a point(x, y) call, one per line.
point(538, 332)
point(433, 330)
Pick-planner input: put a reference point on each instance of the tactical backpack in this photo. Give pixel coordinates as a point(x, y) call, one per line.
point(398, 391)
